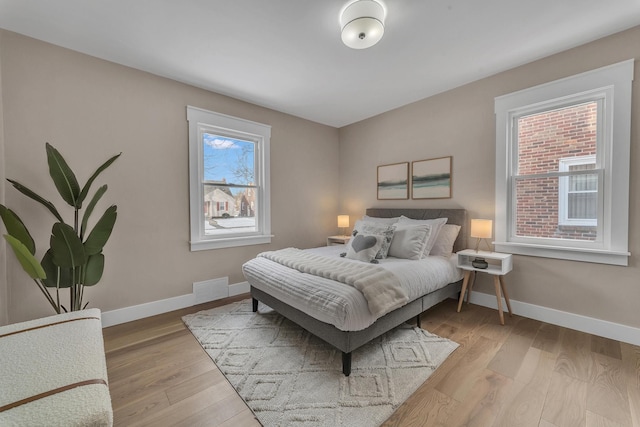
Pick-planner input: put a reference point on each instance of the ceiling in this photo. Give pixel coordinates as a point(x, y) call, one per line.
point(287, 55)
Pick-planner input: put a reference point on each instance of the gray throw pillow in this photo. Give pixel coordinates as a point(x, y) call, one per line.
point(409, 241)
point(364, 247)
point(379, 229)
point(436, 224)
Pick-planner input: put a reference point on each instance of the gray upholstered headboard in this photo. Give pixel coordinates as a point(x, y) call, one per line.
point(455, 216)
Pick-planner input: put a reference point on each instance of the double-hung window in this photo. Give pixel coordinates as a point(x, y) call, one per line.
point(228, 180)
point(562, 167)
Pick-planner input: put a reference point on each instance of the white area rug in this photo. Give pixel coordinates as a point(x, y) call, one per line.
point(288, 377)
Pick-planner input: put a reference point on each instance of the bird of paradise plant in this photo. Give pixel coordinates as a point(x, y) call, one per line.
point(74, 258)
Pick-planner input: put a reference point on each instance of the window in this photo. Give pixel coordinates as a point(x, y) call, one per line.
point(578, 194)
point(229, 180)
point(562, 175)
point(550, 193)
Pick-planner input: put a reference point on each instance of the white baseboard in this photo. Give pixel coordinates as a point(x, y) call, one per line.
point(578, 322)
point(135, 312)
point(239, 289)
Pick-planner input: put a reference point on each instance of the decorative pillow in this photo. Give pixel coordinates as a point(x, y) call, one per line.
point(389, 221)
point(446, 238)
point(364, 247)
point(380, 229)
point(435, 224)
point(409, 241)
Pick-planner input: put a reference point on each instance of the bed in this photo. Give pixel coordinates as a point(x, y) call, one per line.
point(352, 332)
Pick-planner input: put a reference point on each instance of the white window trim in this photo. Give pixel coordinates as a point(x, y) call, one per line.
point(200, 119)
point(613, 83)
point(563, 192)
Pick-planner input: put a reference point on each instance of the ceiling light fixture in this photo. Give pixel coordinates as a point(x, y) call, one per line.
point(362, 24)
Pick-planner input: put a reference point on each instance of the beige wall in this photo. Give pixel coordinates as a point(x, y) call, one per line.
point(91, 109)
point(461, 123)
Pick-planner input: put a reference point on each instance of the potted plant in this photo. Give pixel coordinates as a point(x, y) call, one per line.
point(74, 258)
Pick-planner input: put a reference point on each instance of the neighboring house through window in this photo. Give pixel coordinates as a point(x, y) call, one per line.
point(578, 194)
point(229, 180)
point(562, 175)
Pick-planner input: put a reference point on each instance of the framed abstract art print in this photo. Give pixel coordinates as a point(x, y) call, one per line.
point(431, 178)
point(393, 181)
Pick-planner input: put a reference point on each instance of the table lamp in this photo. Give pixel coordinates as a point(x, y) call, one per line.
point(343, 224)
point(481, 229)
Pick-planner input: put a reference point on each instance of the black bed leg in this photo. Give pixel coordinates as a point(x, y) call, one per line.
point(255, 305)
point(346, 363)
point(418, 321)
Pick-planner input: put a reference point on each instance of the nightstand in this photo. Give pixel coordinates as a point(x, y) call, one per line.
point(337, 240)
point(498, 265)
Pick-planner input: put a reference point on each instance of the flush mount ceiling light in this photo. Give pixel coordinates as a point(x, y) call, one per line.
point(362, 24)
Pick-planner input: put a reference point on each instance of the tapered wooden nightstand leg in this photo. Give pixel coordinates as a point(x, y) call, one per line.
point(465, 281)
point(472, 280)
point(506, 295)
point(496, 283)
point(499, 264)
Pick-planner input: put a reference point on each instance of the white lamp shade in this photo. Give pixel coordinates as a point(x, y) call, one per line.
point(362, 24)
point(343, 221)
point(481, 228)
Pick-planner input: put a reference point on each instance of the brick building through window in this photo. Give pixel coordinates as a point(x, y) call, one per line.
point(559, 140)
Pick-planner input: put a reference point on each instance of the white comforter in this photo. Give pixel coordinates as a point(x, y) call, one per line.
point(342, 305)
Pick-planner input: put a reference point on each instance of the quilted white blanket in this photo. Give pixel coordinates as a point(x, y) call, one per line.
point(380, 287)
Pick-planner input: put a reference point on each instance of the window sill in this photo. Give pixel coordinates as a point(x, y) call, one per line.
point(229, 242)
point(599, 256)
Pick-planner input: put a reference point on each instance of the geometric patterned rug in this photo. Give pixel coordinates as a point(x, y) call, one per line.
point(289, 377)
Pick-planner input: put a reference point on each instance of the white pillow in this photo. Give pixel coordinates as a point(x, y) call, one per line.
point(446, 238)
point(377, 228)
point(409, 241)
point(364, 247)
point(389, 221)
point(435, 224)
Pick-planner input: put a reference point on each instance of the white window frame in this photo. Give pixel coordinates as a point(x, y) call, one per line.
point(201, 121)
point(611, 86)
point(563, 192)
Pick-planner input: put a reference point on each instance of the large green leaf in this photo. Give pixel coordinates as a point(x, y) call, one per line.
point(93, 270)
point(87, 186)
point(52, 270)
point(89, 210)
point(63, 177)
point(29, 263)
point(66, 246)
point(16, 228)
point(101, 232)
point(31, 194)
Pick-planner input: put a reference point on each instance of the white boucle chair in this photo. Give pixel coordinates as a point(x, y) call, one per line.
point(53, 372)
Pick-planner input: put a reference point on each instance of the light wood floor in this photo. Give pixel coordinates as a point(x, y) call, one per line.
point(526, 373)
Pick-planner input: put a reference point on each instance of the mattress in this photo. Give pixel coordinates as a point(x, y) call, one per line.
point(339, 304)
